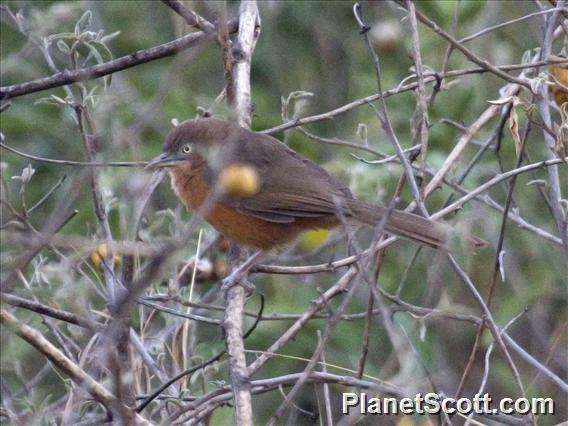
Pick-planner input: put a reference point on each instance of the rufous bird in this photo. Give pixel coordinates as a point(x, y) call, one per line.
point(259, 193)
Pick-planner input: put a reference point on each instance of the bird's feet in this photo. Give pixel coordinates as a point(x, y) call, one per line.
point(238, 276)
point(235, 279)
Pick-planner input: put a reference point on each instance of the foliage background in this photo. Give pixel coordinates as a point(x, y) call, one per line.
point(304, 46)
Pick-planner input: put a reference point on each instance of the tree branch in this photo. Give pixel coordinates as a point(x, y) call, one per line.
point(140, 57)
point(240, 99)
point(190, 16)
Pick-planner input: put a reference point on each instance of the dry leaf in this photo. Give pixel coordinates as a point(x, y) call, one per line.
point(514, 129)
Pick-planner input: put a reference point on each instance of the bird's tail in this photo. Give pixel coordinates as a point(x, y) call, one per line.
point(402, 224)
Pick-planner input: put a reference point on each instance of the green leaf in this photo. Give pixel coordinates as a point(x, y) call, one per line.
point(103, 49)
point(84, 22)
point(66, 36)
point(94, 52)
point(109, 37)
point(63, 47)
point(51, 100)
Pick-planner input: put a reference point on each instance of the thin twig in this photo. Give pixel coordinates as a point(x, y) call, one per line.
point(326, 396)
point(206, 404)
point(331, 324)
point(74, 163)
point(507, 23)
point(428, 78)
point(192, 18)
point(497, 264)
point(366, 336)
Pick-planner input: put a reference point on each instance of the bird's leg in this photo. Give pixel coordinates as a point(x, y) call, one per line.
point(236, 277)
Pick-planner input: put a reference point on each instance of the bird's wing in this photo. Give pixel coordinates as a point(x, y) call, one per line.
point(290, 186)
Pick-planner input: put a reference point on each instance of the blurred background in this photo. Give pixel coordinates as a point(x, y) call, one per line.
point(311, 47)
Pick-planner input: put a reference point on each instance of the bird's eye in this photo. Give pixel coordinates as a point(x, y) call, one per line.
point(186, 149)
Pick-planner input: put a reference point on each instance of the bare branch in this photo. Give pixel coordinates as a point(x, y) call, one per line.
point(554, 191)
point(140, 57)
point(421, 112)
point(249, 30)
point(428, 78)
point(74, 163)
point(239, 96)
point(190, 16)
point(512, 21)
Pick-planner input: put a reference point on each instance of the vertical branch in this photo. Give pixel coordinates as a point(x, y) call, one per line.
point(249, 30)
point(232, 326)
point(421, 115)
point(541, 100)
point(225, 42)
point(240, 101)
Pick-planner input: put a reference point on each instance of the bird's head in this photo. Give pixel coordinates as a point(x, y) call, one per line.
point(192, 143)
point(206, 146)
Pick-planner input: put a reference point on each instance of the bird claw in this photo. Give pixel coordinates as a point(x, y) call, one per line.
point(239, 275)
point(234, 279)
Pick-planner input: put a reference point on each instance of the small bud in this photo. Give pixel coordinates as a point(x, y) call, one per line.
point(99, 256)
point(26, 175)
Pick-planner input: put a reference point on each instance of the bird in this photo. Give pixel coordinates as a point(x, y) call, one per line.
point(261, 194)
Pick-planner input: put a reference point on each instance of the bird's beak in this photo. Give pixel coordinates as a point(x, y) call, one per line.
point(162, 160)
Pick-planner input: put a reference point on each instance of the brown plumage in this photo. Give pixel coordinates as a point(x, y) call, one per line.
point(292, 194)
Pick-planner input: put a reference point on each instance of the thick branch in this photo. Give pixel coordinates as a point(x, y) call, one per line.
point(249, 25)
point(249, 29)
point(140, 57)
point(554, 189)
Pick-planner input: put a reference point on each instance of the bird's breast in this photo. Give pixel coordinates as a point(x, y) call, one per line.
point(190, 186)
